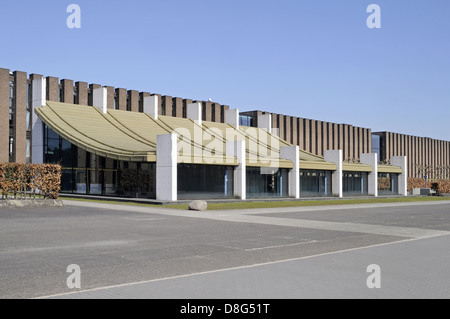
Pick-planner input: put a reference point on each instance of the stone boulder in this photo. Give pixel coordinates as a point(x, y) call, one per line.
point(198, 205)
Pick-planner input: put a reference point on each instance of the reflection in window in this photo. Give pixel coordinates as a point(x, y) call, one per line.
point(28, 151)
point(267, 182)
point(387, 184)
point(355, 183)
point(246, 120)
point(204, 181)
point(315, 183)
point(376, 140)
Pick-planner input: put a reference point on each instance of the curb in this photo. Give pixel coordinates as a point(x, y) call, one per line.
point(30, 203)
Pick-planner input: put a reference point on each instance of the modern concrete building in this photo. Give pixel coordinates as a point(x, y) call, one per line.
point(426, 156)
point(121, 142)
point(317, 136)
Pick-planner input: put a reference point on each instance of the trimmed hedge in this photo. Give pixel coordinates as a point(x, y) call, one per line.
point(442, 184)
point(29, 180)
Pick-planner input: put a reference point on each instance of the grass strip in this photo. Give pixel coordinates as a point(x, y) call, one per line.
point(275, 204)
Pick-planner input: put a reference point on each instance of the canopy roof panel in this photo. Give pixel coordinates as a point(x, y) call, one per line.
point(389, 169)
point(89, 129)
point(131, 136)
point(356, 167)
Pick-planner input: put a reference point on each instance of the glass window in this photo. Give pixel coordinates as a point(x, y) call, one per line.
point(376, 145)
point(28, 151)
point(11, 94)
point(29, 95)
point(355, 183)
point(315, 183)
point(11, 103)
point(245, 120)
point(110, 176)
point(66, 154)
point(163, 107)
point(61, 93)
point(267, 182)
point(80, 181)
point(11, 149)
point(204, 181)
point(52, 151)
point(75, 96)
point(184, 111)
point(67, 179)
point(28, 121)
point(387, 184)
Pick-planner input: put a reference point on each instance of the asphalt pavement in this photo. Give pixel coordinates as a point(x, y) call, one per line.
point(304, 252)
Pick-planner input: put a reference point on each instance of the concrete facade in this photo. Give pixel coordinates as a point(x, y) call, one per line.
point(336, 158)
point(426, 156)
point(194, 112)
point(39, 97)
point(292, 153)
point(232, 118)
point(166, 167)
point(100, 99)
point(402, 162)
point(317, 136)
point(4, 115)
point(237, 149)
point(372, 160)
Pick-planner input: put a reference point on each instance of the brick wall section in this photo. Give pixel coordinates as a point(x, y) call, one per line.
point(121, 98)
point(82, 92)
point(301, 129)
point(223, 108)
point(311, 135)
point(92, 87)
point(20, 118)
point(109, 97)
point(294, 130)
point(67, 86)
point(133, 97)
point(217, 112)
point(142, 95)
point(4, 115)
point(307, 135)
point(52, 89)
point(166, 105)
point(206, 111)
point(186, 102)
point(177, 109)
point(419, 150)
point(287, 129)
point(318, 136)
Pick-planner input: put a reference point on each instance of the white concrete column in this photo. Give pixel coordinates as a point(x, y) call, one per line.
point(150, 106)
point(265, 122)
point(401, 161)
point(166, 167)
point(38, 100)
point(237, 149)
point(232, 117)
point(100, 99)
point(372, 160)
point(335, 156)
point(194, 112)
point(292, 153)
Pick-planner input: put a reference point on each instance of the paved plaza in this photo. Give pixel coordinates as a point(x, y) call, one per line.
point(300, 252)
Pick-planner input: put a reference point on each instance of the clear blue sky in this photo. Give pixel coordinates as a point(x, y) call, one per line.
point(314, 59)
